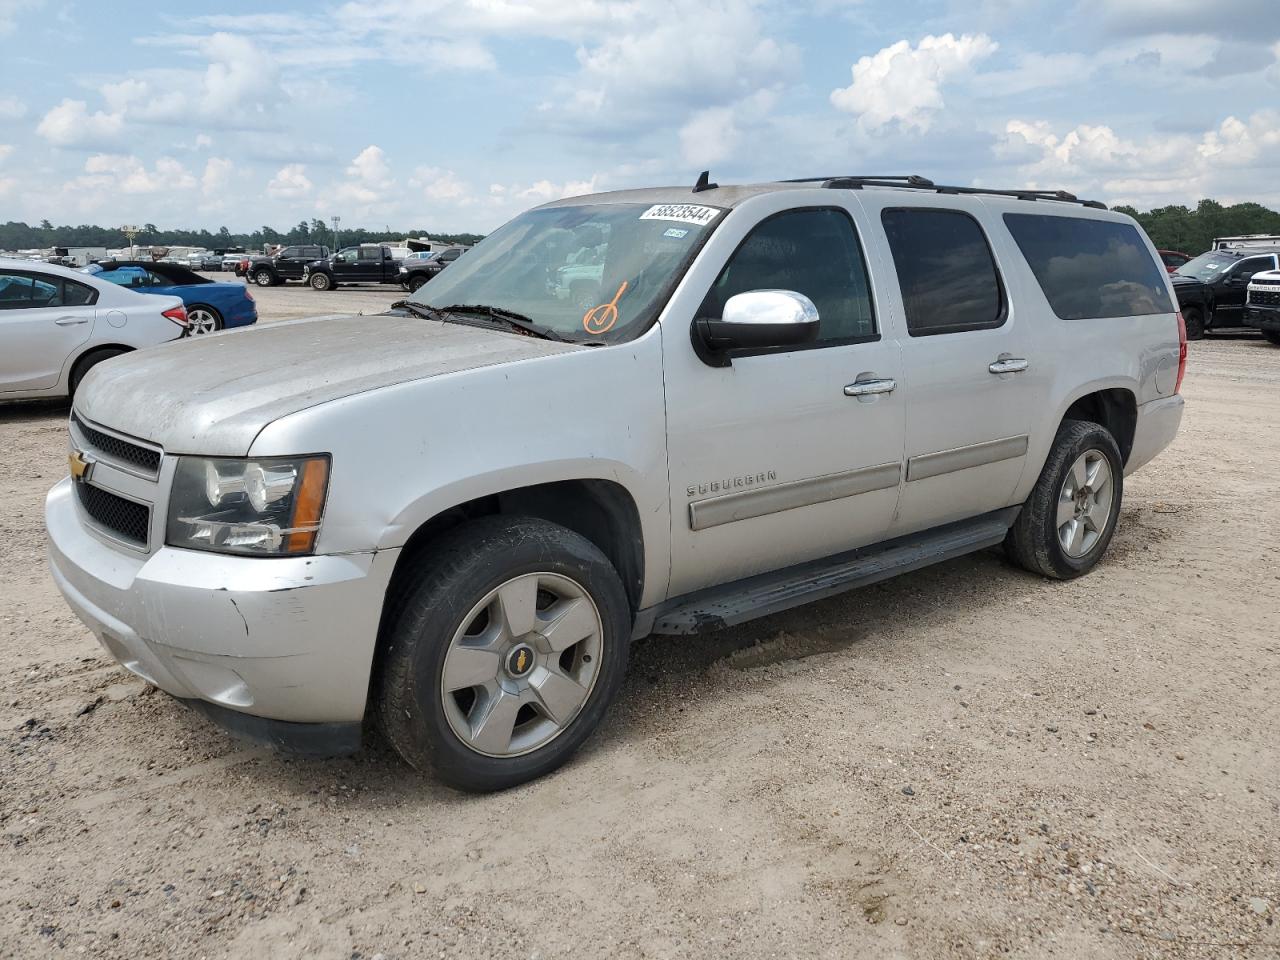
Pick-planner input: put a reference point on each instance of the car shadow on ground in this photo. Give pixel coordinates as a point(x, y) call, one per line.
point(665, 673)
point(34, 411)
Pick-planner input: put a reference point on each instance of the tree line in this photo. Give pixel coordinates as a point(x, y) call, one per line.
point(1192, 230)
point(15, 235)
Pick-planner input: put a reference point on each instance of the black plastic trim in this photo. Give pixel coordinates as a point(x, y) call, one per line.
point(302, 739)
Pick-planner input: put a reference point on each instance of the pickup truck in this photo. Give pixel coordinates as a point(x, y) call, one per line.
point(1220, 280)
point(455, 517)
point(415, 271)
point(1262, 309)
point(367, 263)
point(286, 264)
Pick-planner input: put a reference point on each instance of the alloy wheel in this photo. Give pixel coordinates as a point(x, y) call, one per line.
point(522, 665)
point(1084, 503)
point(201, 322)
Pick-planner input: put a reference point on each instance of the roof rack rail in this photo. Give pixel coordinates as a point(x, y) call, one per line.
point(916, 182)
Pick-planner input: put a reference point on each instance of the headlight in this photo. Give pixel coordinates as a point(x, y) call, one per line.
point(404, 269)
point(269, 507)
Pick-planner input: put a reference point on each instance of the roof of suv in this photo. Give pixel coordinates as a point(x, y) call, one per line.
point(732, 195)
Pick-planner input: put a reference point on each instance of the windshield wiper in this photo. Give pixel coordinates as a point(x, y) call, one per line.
point(420, 310)
point(509, 317)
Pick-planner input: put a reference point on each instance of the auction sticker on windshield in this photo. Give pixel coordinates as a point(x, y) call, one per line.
point(681, 213)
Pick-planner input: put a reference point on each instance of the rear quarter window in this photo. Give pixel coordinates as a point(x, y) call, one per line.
point(1091, 269)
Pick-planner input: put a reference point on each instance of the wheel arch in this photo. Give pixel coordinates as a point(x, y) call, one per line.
point(1115, 408)
point(603, 511)
point(76, 359)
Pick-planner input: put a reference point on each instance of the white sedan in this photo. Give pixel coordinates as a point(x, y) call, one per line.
point(56, 323)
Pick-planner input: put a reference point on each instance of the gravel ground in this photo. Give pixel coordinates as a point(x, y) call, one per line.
point(966, 761)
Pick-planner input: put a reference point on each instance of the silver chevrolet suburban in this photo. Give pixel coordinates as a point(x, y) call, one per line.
point(455, 517)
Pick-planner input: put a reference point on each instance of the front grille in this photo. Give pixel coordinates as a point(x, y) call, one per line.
point(1270, 298)
point(121, 450)
point(127, 520)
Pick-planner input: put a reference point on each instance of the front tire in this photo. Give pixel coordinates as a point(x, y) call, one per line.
point(1066, 524)
point(505, 645)
point(320, 281)
point(416, 282)
point(264, 278)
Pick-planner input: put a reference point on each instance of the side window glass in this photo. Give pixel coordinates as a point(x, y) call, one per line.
point(813, 252)
point(77, 294)
point(1247, 268)
point(16, 292)
point(288, 252)
point(945, 269)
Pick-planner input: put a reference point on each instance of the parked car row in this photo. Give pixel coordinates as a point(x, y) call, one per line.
point(1211, 288)
point(364, 263)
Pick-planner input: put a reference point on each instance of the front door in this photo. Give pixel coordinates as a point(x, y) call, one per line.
point(792, 454)
point(42, 320)
point(1228, 305)
point(974, 382)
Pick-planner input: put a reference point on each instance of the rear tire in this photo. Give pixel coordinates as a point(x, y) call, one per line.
point(1066, 524)
point(202, 320)
point(1193, 318)
point(87, 363)
point(493, 588)
point(1272, 336)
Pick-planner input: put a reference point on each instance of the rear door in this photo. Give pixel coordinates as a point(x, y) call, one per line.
point(973, 379)
point(43, 319)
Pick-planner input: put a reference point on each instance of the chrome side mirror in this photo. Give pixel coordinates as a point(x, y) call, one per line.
point(758, 320)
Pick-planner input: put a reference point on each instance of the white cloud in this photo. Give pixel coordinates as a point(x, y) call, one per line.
point(437, 184)
point(126, 174)
point(120, 95)
point(370, 166)
point(1229, 162)
point(216, 176)
point(11, 108)
point(10, 10)
point(715, 134)
point(70, 124)
point(203, 140)
point(289, 183)
point(903, 84)
point(5, 150)
point(239, 76)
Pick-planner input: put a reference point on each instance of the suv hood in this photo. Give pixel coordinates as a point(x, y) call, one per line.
point(213, 395)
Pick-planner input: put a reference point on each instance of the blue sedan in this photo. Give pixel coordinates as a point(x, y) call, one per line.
point(211, 305)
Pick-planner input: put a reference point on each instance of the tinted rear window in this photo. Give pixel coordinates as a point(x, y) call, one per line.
point(1090, 269)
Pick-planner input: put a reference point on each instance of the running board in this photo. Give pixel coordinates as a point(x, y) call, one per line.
point(768, 593)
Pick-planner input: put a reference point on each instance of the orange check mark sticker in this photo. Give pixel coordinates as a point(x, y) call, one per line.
point(601, 319)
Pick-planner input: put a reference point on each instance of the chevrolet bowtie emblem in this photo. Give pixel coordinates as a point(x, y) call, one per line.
point(81, 466)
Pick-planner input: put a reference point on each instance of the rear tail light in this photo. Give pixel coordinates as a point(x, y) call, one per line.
point(178, 315)
point(1182, 352)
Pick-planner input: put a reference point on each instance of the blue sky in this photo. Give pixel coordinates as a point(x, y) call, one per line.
point(457, 115)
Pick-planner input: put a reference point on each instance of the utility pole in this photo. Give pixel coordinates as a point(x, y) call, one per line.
point(336, 221)
point(129, 233)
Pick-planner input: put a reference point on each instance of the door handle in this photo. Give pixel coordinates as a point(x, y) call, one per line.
point(70, 321)
point(867, 388)
point(1009, 365)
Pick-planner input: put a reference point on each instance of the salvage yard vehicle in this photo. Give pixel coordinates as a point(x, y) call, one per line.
point(211, 305)
point(289, 263)
point(1225, 274)
point(366, 263)
point(456, 516)
point(1173, 259)
point(56, 324)
point(1262, 309)
point(415, 271)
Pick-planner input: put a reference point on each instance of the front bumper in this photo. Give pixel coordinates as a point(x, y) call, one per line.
point(1158, 422)
point(1262, 318)
point(283, 639)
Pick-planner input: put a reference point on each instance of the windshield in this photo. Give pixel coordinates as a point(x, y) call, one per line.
point(593, 273)
point(1208, 265)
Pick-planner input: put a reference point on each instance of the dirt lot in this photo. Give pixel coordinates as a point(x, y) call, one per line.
point(964, 762)
point(292, 300)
